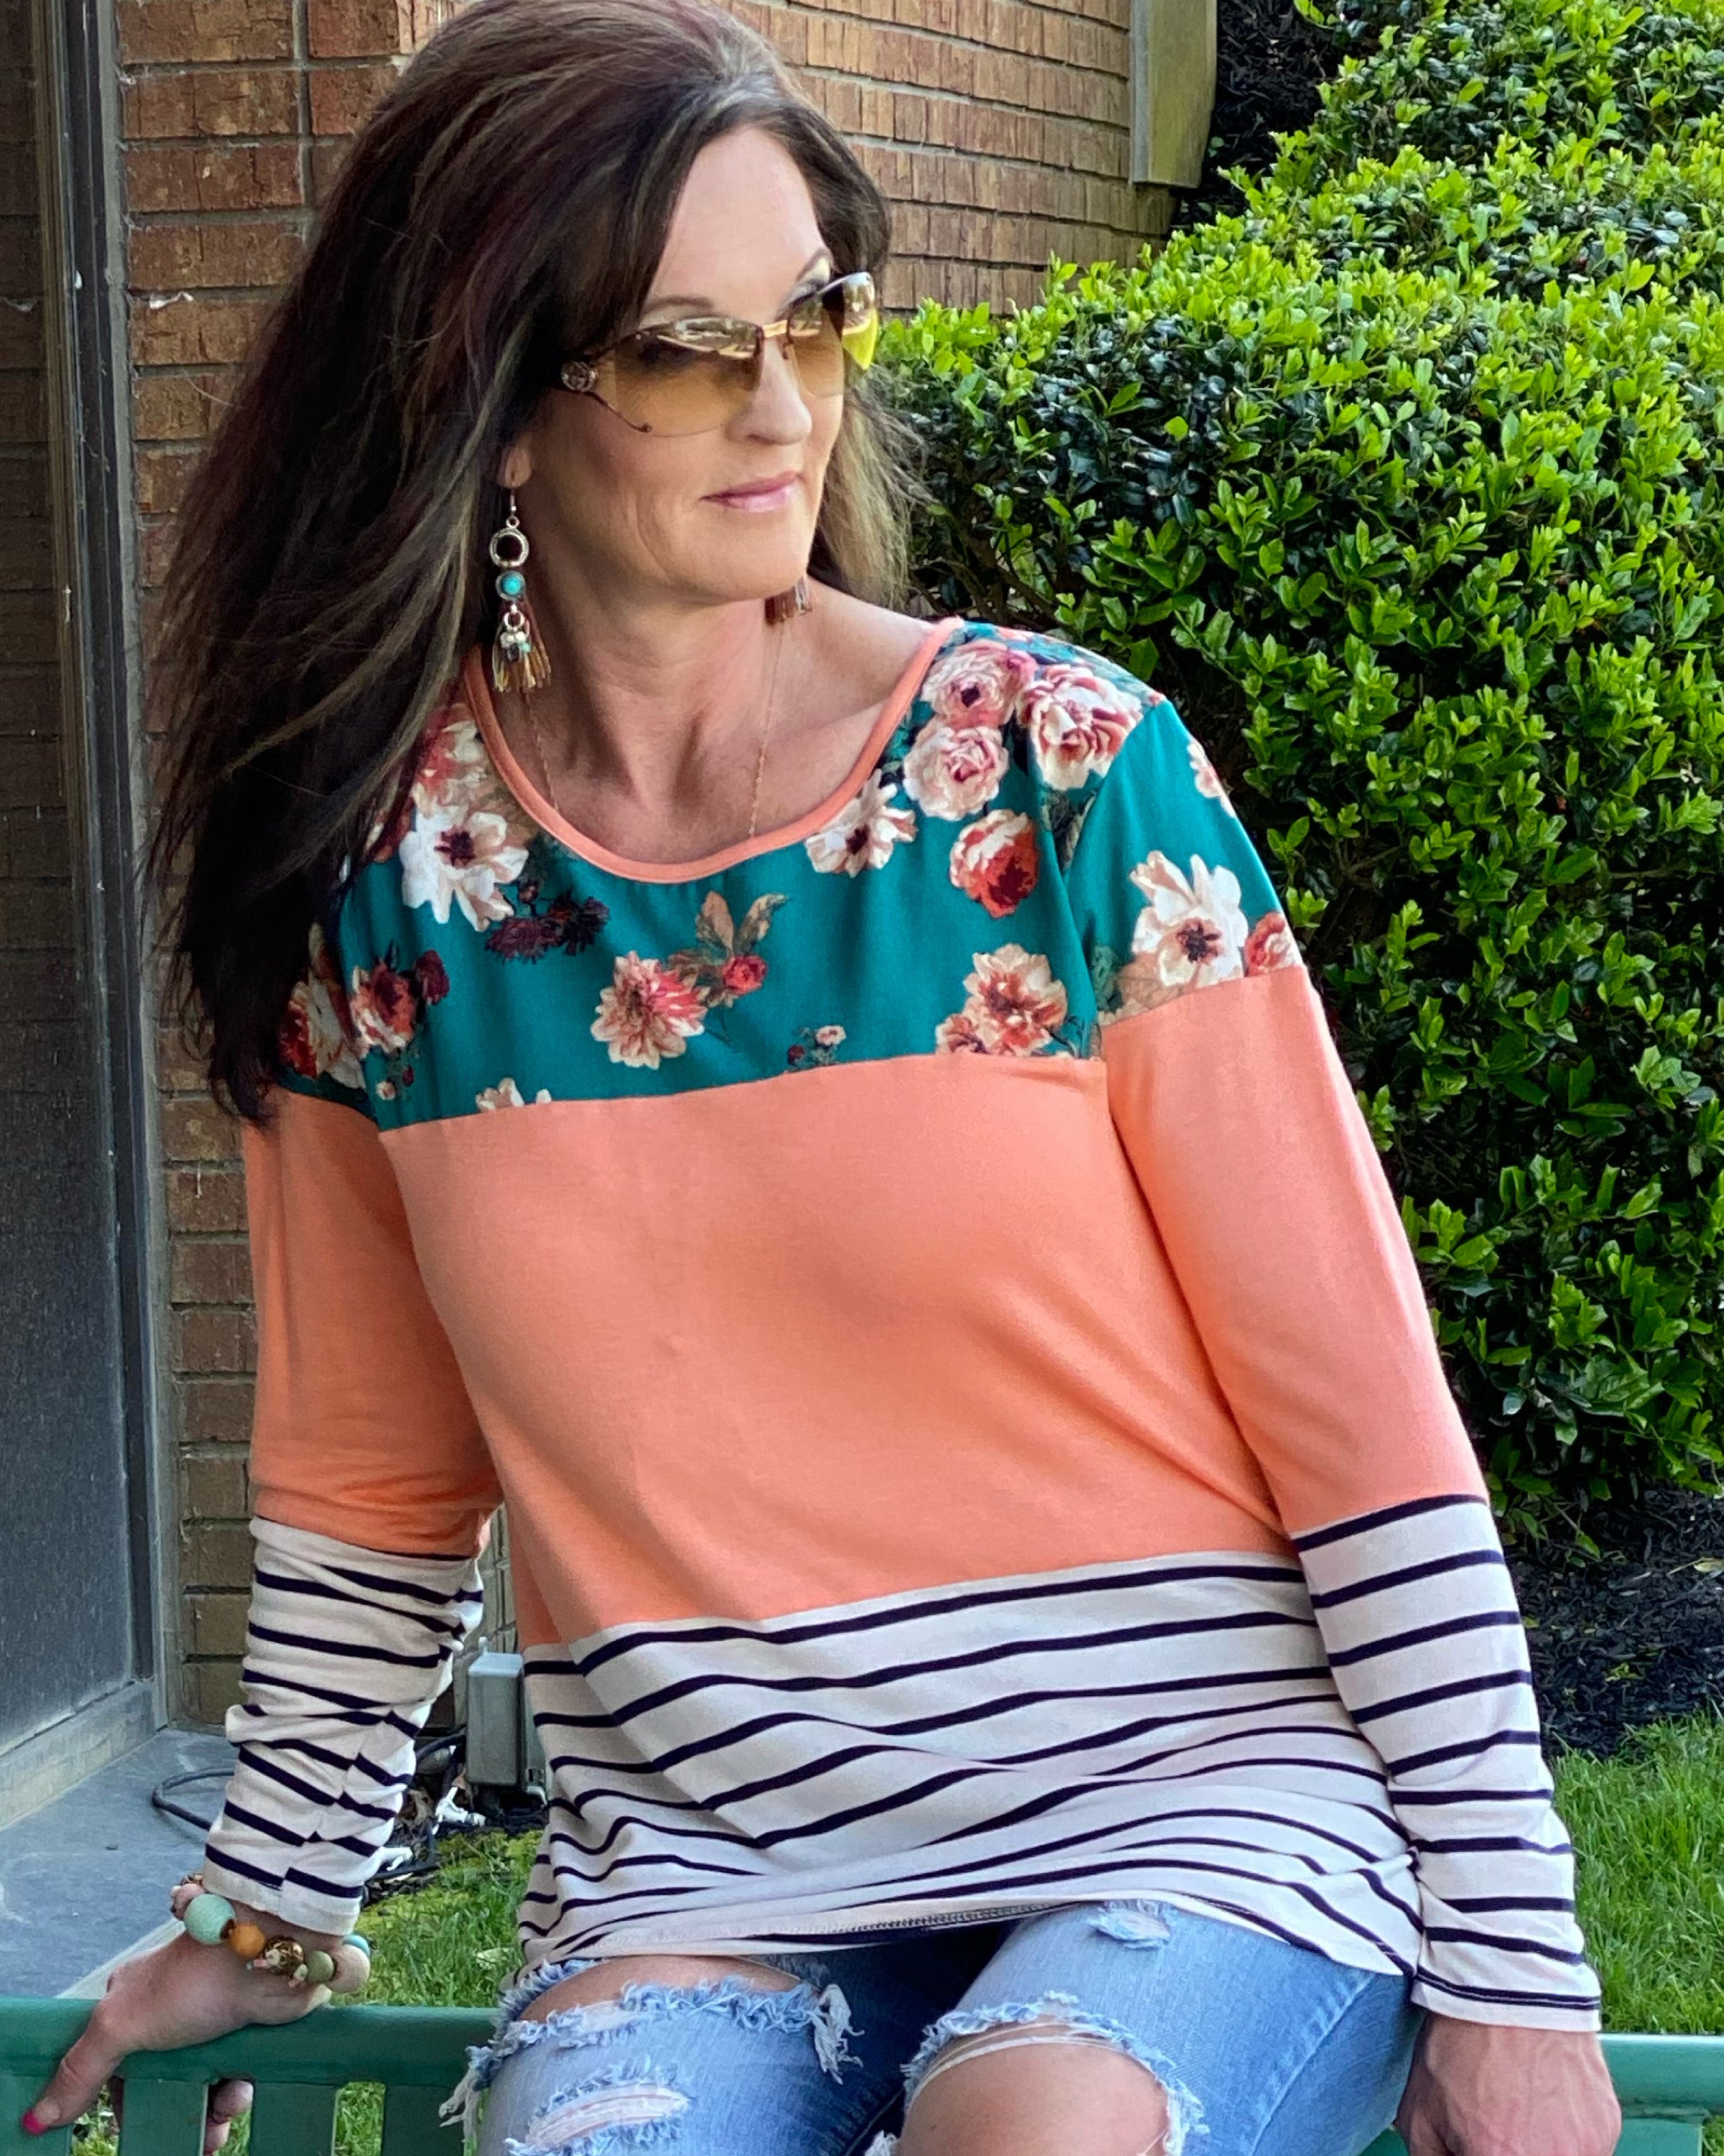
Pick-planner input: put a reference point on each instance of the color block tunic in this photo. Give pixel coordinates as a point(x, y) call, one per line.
point(967, 1411)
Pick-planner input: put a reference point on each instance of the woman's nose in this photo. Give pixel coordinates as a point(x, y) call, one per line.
point(778, 410)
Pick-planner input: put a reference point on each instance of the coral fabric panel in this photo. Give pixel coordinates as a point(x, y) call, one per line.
point(824, 1336)
point(1288, 1247)
point(363, 1429)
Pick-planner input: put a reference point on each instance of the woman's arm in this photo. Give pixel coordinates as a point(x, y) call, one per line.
point(345, 1650)
point(372, 1488)
point(1264, 1186)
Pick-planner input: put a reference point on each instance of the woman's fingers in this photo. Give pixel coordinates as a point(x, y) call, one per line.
point(78, 2080)
point(228, 2101)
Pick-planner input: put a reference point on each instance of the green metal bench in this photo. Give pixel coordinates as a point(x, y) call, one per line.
point(1669, 2085)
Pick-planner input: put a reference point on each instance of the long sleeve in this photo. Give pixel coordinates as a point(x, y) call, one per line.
point(373, 1491)
point(1259, 1174)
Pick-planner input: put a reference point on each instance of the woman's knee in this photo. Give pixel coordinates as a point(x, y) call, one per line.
point(1040, 2088)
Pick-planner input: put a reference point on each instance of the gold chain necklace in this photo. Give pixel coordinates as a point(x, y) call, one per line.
point(760, 762)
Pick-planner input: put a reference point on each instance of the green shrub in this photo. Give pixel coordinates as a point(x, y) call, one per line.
point(1408, 490)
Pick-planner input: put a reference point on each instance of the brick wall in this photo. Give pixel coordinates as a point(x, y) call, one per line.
point(999, 129)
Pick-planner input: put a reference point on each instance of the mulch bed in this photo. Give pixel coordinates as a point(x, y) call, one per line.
point(1632, 1636)
point(1270, 63)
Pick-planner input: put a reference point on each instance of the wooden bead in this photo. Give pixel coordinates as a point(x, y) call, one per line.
point(352, 1970)
point(247, 1940)
point(319, 1966)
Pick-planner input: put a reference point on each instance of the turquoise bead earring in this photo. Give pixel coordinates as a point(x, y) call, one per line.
point(518, 660)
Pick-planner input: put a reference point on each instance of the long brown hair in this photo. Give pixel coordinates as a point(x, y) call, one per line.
point(506, 204)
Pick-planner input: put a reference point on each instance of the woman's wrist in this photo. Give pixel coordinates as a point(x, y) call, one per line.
point(260, 1939)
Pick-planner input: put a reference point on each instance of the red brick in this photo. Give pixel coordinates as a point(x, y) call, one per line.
point(218, 101)
point(214, 1342)
point(357, 29)
point(215, 1410)
point(215, 1624)
point(170, 332)
point(204, 30)
point(209, 1690)
point(206, 1200)
point(341, 96)
point(167, 257)
point(177, 407)
point(213, 1485)
point(210, 1272)
point(232, 176)
point(198, 1130)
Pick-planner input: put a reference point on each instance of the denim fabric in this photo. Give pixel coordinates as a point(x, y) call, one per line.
point(1264, 2048)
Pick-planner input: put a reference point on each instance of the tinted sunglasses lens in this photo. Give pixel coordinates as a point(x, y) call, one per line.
point(702, 379)
point(672, 388)
point(838, 324)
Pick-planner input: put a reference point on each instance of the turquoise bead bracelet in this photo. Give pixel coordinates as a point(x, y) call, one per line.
point(212, 1921)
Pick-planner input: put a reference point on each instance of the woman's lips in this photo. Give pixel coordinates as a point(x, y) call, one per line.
point(765, 494)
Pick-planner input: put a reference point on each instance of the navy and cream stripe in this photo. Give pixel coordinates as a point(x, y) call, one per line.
point(1341, 1750)
point(345, 1651)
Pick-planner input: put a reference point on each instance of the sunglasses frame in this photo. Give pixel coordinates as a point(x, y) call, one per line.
point(580, 375)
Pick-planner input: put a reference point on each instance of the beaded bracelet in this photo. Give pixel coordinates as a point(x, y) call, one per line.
point(211, 1920)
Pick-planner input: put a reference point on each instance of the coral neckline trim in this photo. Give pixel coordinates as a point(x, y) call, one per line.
point(477, 689)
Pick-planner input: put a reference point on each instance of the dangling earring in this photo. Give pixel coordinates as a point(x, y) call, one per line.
point(785, 606)
point(518, 660)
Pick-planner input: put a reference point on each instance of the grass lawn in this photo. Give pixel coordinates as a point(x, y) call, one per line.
point(1648, 1825)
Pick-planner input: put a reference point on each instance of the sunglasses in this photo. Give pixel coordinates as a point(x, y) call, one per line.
point(689, 376)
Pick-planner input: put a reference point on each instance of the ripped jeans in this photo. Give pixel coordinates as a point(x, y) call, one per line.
point(1261, 2048)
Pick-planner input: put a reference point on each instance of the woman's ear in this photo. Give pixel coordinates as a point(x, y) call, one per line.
point(515, 467)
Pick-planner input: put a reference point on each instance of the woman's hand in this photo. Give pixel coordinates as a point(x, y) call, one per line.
point(181, 1994)
point(1480, 2088)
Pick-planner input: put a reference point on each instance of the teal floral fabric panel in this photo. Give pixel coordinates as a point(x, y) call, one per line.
point(1039, 847)
point(1168, 894)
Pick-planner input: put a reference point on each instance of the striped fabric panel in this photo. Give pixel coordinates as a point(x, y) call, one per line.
point(345, 1651)
point(1418, 1615)
point(1210, 1730)
point(1167, 1727)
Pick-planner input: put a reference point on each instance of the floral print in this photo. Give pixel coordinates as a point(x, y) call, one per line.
point(813, 1046)
point(1014, 1007)
point(1191, 934)
point(952, 771)
point(388, 1007)
point(995, 861)
point(1077, 723)
point(1208, 778)
point(506, 1094)
point(1269, 947)
point(722, 963)
point(979, 684)
point(652, 1009)
point(647, 1013)
point(863, 834)
point(1123, 889)
point(316, 1034)
point(565, 923)
point(467, 858)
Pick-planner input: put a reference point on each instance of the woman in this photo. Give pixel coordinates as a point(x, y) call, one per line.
point(823, 1111)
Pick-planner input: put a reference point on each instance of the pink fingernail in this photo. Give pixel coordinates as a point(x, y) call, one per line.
point(32, 2124)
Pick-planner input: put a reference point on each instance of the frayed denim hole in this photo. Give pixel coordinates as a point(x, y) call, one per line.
point(1185, 2112)
point(533, 1984)
point(592, 2022)
point(883, 2144)
point(628, 2104)
point(825, 2014)
point(1133, 1923)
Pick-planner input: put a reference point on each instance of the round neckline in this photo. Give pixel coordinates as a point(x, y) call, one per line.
point(551, 820)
